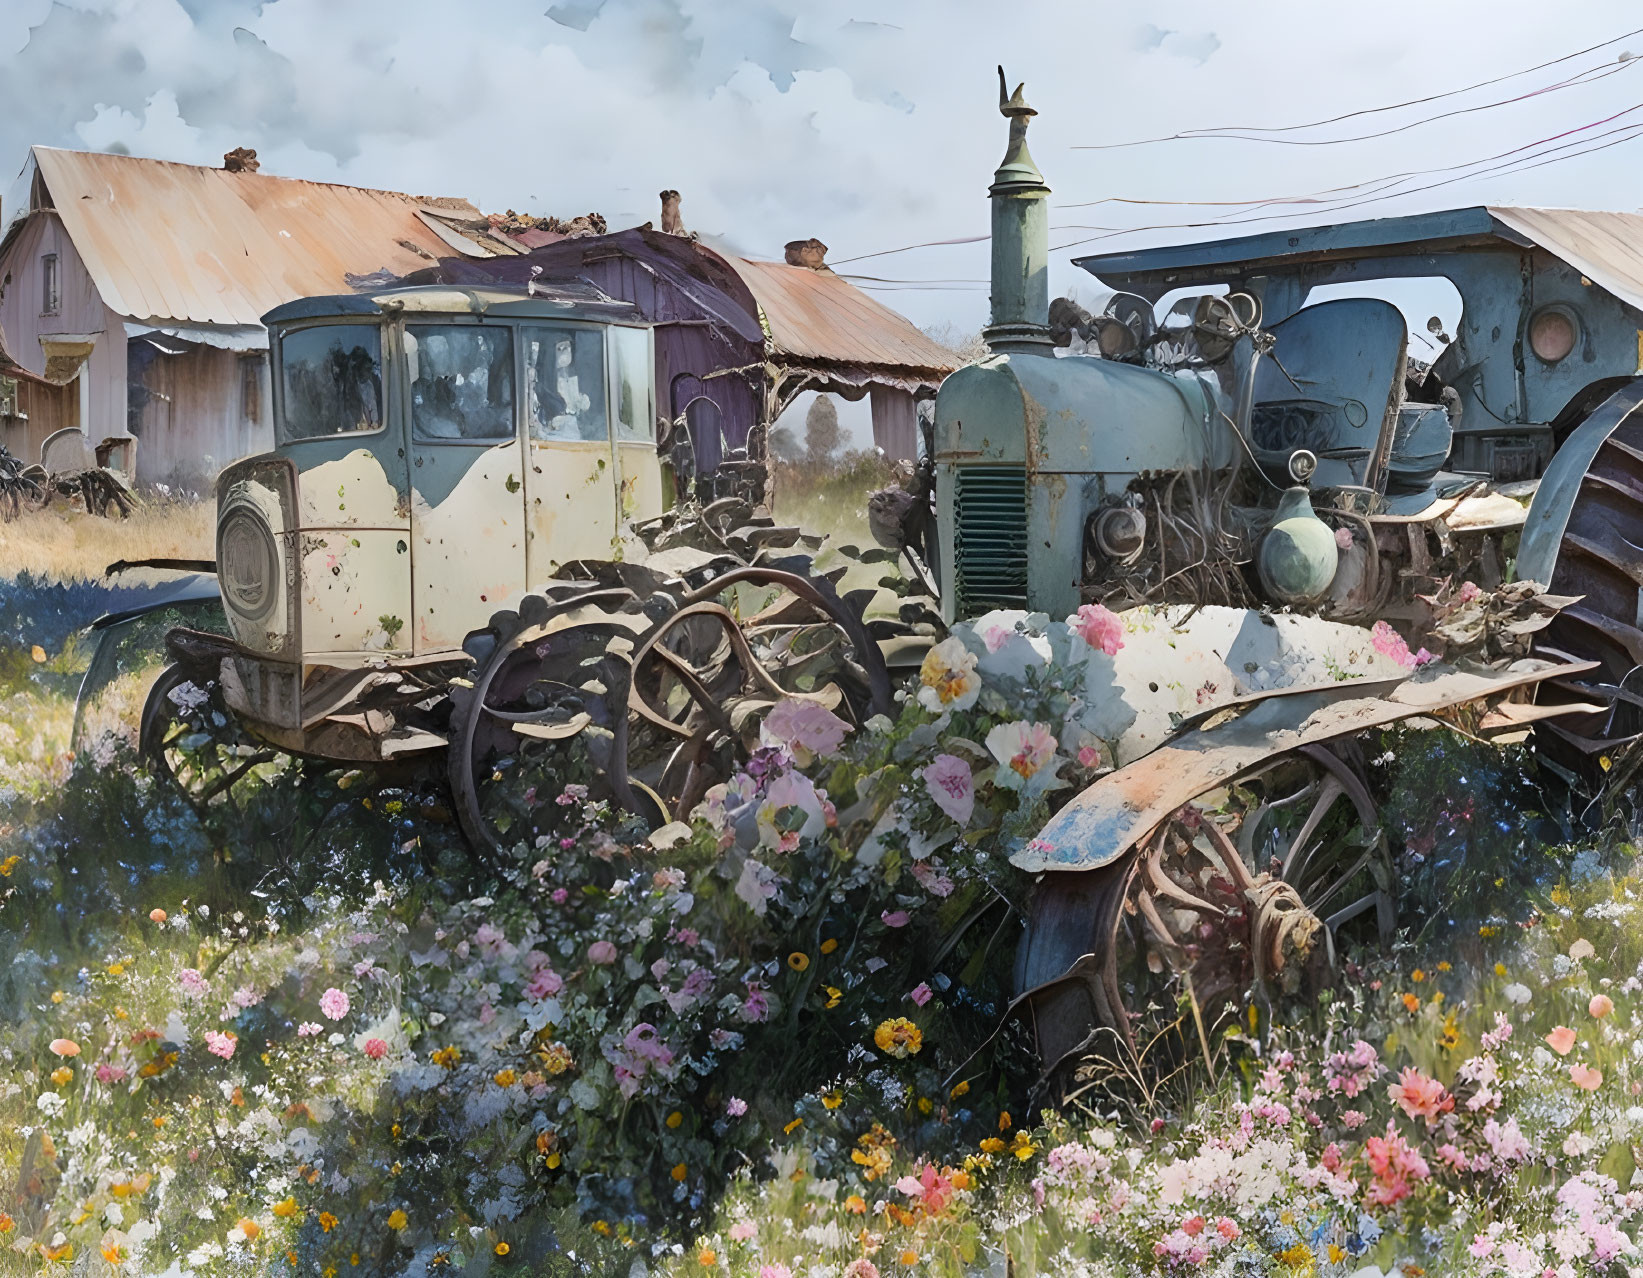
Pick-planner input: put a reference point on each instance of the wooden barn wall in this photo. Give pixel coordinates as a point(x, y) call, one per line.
point(80, 310)
point(46, 409)
point(194, 422)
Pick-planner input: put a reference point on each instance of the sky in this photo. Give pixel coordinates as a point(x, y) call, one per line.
point(868, 125)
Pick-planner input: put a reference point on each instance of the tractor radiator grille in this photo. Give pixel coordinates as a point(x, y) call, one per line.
point(990, 538)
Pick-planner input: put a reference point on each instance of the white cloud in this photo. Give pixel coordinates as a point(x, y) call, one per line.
point(869, 125)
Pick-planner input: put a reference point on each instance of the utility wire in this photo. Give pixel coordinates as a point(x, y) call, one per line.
point(1222, 130)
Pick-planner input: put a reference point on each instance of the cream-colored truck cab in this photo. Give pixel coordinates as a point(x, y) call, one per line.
point(440, 452)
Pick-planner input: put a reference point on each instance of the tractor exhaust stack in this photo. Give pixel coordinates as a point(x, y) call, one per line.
point(1021, 240)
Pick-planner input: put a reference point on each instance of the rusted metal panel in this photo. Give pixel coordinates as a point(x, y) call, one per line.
point(815, 314)
point(182, 242)
point(1103, 822)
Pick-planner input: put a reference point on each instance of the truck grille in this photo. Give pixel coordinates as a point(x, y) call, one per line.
point(989, 538)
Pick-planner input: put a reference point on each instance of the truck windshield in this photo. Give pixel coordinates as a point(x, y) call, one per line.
point(331, 377)
point(461, 381)
point(565, 375)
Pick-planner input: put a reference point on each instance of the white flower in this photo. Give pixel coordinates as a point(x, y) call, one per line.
point(50, 1104)
point(1516, 993)
point(948, 677)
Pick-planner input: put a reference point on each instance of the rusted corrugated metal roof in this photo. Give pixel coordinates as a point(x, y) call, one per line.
point(180, 242)
point(1607, 248)
point(821, 316)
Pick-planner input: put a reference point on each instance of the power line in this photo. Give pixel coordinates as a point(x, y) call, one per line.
point(1222, 130)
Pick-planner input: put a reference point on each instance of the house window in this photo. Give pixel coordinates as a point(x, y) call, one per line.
point(50, 290)
point(251, 387)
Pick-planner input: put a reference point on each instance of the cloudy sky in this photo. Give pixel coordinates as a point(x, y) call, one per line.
point(869, 125)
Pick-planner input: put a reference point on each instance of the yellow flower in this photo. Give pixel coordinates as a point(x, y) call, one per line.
point(1417, 976)
point(1411, 1003)
point(61, 1075)
point(833, 1099)
point(286, 1208)
point(1004, 1120)
point(992, 1145)
point(834, 995)
point(909, 1257)
point(926, 1105)
point(1449, 1036)
point(8, 865)
point(505, 1078)
point(116, 969)
point(553, 1160)
point(1444, 966)
point(797, 961)
point(1023, 1147)
point(556, 1058)
point(1500, 969)
point(1488, 929)
point(38, 654)
point(327, 1221)
point(1337, 1253)
point(829, 945)
point(501, 1249)
point(446, 1057)
point(1297, 1256)
point(57, 996)
point(602, 1227)
point(6, 1223)
point(65, 1252)
point(855, 1204)
point(949, 677)
point(114, 1253)
point(397, 1219)
point(679, 1172)
point(706, 1258)
point(675, 1118)
point(898, 1037)
point(248, 1227)
point(961, 1088)
point(786, 1131)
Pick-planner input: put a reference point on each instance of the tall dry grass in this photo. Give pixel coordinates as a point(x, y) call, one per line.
point(69, 545)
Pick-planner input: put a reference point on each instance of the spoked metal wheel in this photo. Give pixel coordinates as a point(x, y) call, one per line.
point(647, 701)
point(1233, 899)
point(193, 742)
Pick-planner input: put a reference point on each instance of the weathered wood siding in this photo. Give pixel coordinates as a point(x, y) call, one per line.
point(194, 422)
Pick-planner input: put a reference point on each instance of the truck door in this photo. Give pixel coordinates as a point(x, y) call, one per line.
point(467, 478)
point(572, 480)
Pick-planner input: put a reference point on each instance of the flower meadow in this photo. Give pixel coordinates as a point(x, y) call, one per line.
point(307, 1034)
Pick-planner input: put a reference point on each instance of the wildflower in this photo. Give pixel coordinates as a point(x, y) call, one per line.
point(1600, 1006)
point(834, 995)
point(1023, 1146)
point(61, 1075)
point(804, 729)
point(1516, 993)
point(221, 1044)
point(832, 1099)
point(829, 945)
point(504, 1078)
point(1099, 627)
point(1561, 1040)
point(1420, 1096)
point(327, 1221)
point(1411, 1003)
point(992, 1145)
point(446, 1057)
point(65, 1047)
point(908, 1257)
point(1449, 1035)
point(602, 952)
point(855, 1204)
point(9, 865)
point(1417, 976)
point(735, 1107)
point(742, 1230)
point(397, 1219)
point(248, 1227)
point(375, 1048)
point(792, 1127)
point(952, 786)
point(921, 994)
point(775, 1271)
point(861, 1267)
point(1582, 948)
point(706, 1258)
point(961, 1088)
point(501, 1249)
point(948, 677)
point(6, 1223)
point(1004, 1121)
point(898, 1037)
point(157, 915)
point(1585, 1077)
point(679, 1171)
point(334, 1003)
point(797, 961)
point(1089, 757)
point(309, 1029)
point(556, 1058)
point(1023, 750)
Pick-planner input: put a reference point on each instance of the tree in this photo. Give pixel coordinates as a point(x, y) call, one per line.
point(822, 434)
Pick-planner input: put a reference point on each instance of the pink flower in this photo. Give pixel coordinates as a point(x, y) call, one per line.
point(545, 984)
point(1089, 757)
point(951, 785)
point(1354, 1119)
point(192, 983)
point(1600, 1006)
point(308, 1029)
point(334, 1003)
point(921, 994)
point(1585, 1077)
point(735, 1107)
point(602, 952)
point(1481, 1245)
point(894, 918)
point(110, 1074)
point(1228, 1229)
point(1022, 750)
point(861, 1267)
point(804, 729)
point(1420, 1096)
point(375, 1048)
point(559, 896)
point(1343, 538)
point(932, 1190)
point(1561, 1040)
point(221, 1044)
point(1099, 627)
point(775, 1271)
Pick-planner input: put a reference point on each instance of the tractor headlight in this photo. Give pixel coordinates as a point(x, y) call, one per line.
point(247, 563)
point(1553, 333)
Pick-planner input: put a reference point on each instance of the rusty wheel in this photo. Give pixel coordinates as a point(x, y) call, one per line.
point(192, 742)
point(648, 700)
point(1233, 899)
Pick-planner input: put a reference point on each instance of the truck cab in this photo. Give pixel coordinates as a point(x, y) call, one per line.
point(440, 451)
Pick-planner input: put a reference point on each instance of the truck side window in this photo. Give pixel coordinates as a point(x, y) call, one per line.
point(331, 380)
point(461, 381)
point(630, 359)
point(565, 382)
